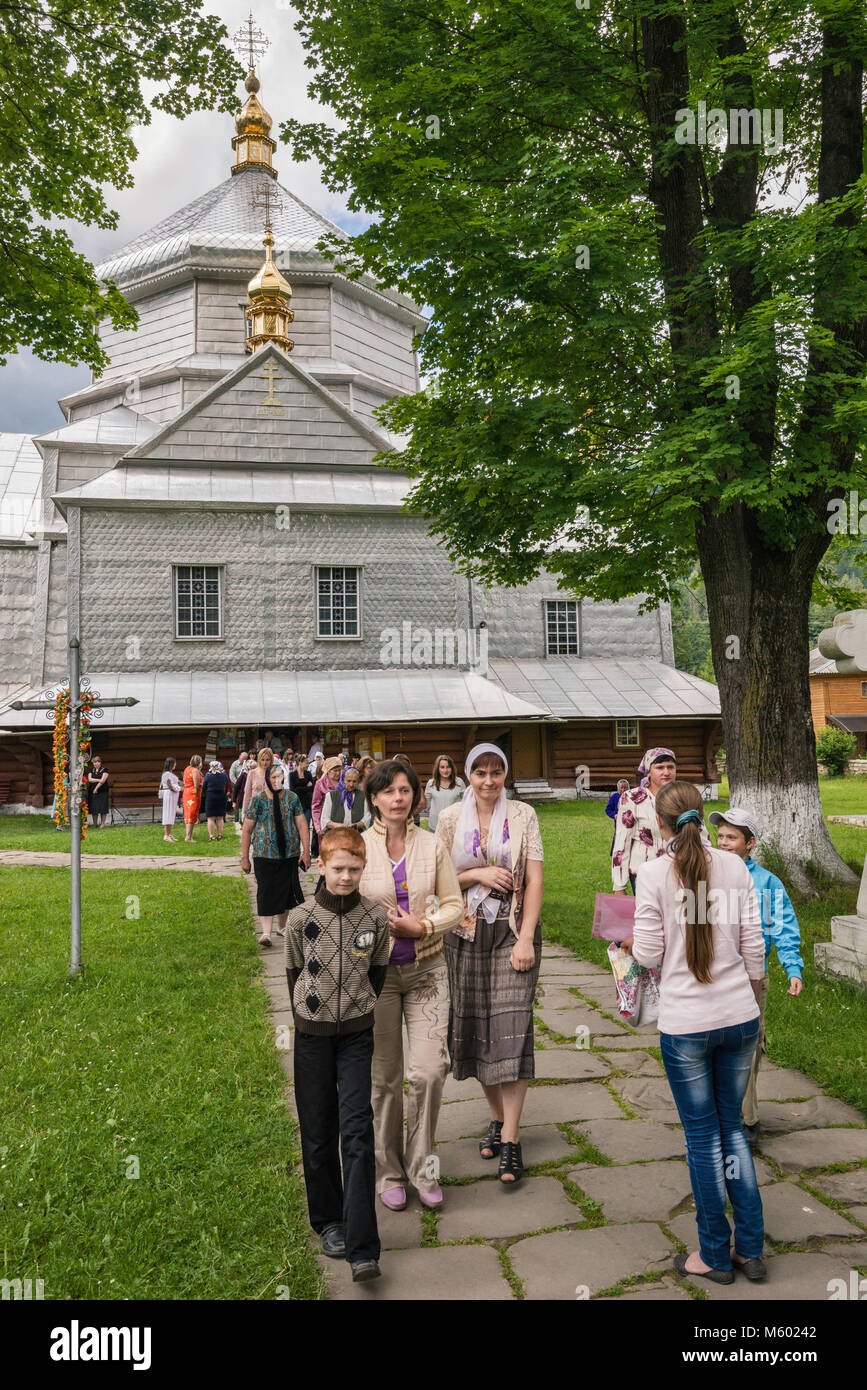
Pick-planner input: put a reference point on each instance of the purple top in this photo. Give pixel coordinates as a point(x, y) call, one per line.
point(403, 951)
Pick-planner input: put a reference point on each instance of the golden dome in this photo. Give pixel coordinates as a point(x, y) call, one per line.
point(253, 119)
point(253, 144)
point(268, 282)
point(268, 314)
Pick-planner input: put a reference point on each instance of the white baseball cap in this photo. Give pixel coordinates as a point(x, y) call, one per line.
point(736, 815)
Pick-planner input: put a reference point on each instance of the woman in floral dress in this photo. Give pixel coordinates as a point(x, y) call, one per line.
point(636, 834)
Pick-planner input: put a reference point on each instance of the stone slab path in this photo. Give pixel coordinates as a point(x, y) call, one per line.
point(606, 1200)
point(47, 858)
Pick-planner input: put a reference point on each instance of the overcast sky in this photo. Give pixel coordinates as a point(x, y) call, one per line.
point(168, 175)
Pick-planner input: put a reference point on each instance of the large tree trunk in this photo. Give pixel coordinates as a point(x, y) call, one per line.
point(758, 603)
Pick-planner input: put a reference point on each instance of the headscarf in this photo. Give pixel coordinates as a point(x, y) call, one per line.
point(466, 850)
point(651, 756)
point(346, 796)
point(279, 827)
point(214, 766)
point(330, 763)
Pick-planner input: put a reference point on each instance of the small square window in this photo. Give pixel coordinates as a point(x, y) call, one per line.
point(626, 733)
point(561, 627)
point(198, 601)
point(337, 601)
point(864, 690)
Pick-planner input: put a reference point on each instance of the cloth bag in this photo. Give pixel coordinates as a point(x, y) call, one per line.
point(637, 987)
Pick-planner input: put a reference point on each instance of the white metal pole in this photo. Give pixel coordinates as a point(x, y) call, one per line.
point(75, 775)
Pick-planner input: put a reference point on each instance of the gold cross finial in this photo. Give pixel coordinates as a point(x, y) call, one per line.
point(250, 41)
point(266, 196)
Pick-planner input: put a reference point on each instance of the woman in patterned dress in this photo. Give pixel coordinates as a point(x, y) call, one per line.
point(494, 955)
point(636, 833)
point(192, 794)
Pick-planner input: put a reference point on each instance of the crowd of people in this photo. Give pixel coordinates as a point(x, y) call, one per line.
point(419, 954)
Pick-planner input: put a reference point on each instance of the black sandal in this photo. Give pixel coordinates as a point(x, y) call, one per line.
point(491, 1140)
point(511, 1161)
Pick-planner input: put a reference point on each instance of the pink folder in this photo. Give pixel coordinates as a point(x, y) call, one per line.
point(613, 916)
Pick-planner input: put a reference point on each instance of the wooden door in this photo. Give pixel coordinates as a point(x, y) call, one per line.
point(526, 752)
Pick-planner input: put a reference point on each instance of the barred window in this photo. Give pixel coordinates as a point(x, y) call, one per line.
point(337, 601)
point(198, 601)
point(561, 620)
point(626, 733)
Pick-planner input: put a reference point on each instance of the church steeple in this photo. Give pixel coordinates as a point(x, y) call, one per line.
point(253, 145)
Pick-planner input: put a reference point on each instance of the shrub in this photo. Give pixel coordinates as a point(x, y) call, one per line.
point(834, 748)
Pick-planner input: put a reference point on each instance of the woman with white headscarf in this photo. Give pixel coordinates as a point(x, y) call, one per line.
point(493, 957)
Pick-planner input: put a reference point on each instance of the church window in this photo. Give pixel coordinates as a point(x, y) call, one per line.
point(626, 733)
point(337, 612)
point(561, 619)
point(198, 601)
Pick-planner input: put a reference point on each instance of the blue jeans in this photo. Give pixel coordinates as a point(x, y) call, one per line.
point(708, 1074)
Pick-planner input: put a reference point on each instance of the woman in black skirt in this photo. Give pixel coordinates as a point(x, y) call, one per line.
point(275, 830)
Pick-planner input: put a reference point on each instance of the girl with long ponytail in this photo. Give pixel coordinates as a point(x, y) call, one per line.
point(697, 918)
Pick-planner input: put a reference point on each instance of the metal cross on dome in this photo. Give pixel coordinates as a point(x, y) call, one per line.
point(266, 196)
point(250, 41)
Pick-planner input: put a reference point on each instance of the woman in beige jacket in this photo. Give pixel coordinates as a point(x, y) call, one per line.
point(411, 874)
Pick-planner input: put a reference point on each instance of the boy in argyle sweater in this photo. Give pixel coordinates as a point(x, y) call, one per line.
point(337, 948)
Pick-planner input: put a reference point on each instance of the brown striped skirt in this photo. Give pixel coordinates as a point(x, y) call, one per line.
point(491, 1015)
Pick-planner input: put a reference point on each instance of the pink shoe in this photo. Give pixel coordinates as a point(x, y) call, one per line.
point(434, 1198)
point(394, 1198)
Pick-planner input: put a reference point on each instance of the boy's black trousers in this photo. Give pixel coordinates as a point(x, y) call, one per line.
point(332, 1093)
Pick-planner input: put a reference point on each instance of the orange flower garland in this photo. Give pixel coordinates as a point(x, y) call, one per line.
point(61, 756)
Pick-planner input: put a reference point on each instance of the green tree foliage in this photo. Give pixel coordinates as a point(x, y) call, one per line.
point(73, 79)
point(647, 342)
point(834, 748)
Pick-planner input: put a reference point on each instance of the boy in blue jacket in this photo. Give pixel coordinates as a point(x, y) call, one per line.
point(737, 832)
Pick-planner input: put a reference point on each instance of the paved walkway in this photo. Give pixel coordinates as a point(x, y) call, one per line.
point(607, 1200)
point(223, 867)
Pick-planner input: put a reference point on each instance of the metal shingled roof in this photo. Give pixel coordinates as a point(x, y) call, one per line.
point(598, 688)
point(20, 486)
point(221, 218)
point(398, 696)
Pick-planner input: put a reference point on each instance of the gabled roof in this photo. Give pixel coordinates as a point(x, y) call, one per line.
point(821, 665)
point(20, 486)
point(574, 687)
point(118, 428)
point(231, 424)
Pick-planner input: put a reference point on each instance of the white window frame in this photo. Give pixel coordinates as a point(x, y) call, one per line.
point(332, 636)
point(618, 743)
point(197, 637)
point(547, 604)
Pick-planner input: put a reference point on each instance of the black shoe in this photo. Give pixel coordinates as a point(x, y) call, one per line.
point(362, 1270)
point(751, 1133)
point(333, 1241)
point(716, 1276)
point(754, 1269)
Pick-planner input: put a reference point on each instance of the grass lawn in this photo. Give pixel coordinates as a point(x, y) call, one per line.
point(39, 832)
point(824, 1032)
point(163, 1052)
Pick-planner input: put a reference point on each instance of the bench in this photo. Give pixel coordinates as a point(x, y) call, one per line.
point(5, 787)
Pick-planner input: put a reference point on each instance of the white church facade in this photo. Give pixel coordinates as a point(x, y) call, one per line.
point(210, 524)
